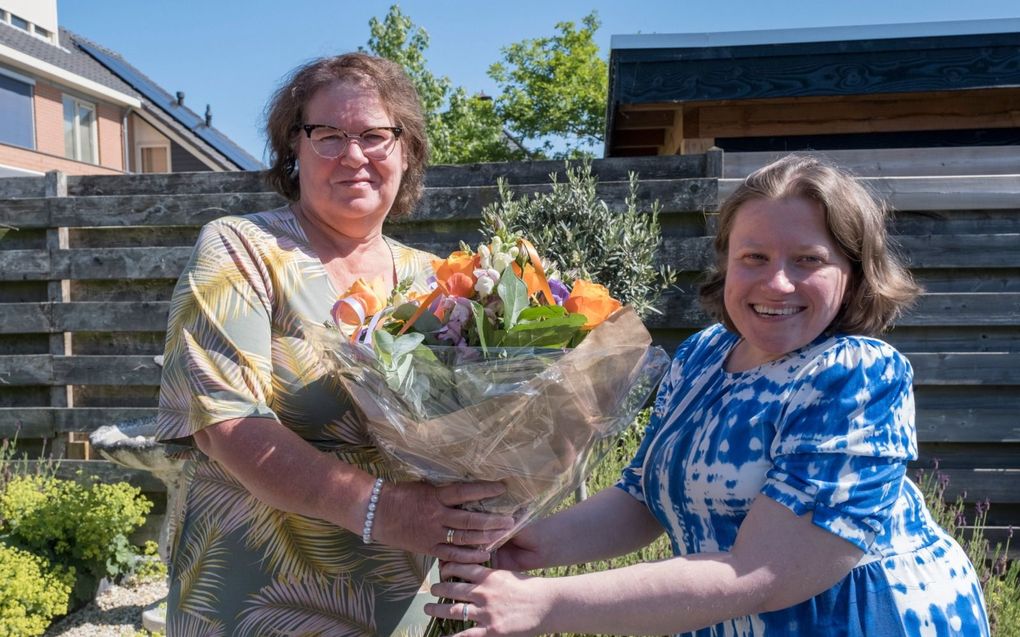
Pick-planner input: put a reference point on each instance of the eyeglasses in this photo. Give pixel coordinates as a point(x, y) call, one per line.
point(329, 142)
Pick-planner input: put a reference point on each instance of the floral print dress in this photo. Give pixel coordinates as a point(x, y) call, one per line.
point(828, 429)
point(236, 348)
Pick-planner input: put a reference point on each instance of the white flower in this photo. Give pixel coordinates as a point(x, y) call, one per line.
point(500, 260)
point(486, 256)
point(484, 286)
point(487, 278)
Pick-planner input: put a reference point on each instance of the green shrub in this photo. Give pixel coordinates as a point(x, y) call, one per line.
point(74, 525)
point(32, 594)
point(577, 230)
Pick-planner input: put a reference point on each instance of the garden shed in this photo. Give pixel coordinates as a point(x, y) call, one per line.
point(944, 84)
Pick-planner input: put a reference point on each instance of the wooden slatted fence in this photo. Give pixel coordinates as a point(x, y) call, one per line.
point(86, 275)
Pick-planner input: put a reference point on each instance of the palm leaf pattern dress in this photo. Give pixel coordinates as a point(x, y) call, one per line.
point(236, 348)
point(826, 429)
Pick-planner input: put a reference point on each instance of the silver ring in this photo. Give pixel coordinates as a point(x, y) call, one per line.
point(464, 613)
point(449, 536)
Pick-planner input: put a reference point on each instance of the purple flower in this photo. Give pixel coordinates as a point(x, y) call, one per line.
point(559, 290)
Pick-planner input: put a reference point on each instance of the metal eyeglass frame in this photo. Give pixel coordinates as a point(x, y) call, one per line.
point(349, 137)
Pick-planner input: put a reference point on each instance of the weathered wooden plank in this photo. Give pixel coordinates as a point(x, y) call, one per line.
point(132, 210)
point(986, 338)
point(984, 192)
point(976, 423)
point(134, 316)
point(102, 470)
point(197, 209)
point(26, 318)
point(176, 183)
point(971, 423)
point(153, 262)
point(898, 162)
point(24, 265)
point(483, 174)
point(681, 310)
point(44, 369)
point(139, 316)
point(672, 195)
point(20, 187)
point(970, 368)
point(961, 250)
point(538, 172)
point(997, 485)
point(983, 368)
point(32, 369)
point(929, 251)
point(965, 309)
point(44, 422)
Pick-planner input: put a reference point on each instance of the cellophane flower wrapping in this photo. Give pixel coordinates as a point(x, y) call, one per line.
point(534, 419)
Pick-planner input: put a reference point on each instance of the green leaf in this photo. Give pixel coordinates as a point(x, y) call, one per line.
point(403, 345)
point(382, 343)
point(514, 294)
point(541, 313)
point(557, 332)
point(426, 323)
point(482, 326)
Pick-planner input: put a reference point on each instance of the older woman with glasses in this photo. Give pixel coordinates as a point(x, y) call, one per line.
point(290, 524)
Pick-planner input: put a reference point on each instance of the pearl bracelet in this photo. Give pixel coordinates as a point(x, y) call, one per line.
point(373, 500)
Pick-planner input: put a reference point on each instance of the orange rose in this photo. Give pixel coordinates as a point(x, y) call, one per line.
point(460, 284)
point(592, 300)
point(458, 262)
point(530, 278)
point(370, 297)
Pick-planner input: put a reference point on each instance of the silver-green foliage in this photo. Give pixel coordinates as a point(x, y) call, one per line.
point(576, 229)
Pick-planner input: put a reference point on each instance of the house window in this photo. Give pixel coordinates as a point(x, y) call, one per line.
point(80, 130)
point(17, 125)
point(154, 159)
point(19, 22)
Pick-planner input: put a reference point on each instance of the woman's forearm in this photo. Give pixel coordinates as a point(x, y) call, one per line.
point(286, 473)
point(609, 524)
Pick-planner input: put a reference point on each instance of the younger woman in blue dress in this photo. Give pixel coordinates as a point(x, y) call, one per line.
point(776, 457)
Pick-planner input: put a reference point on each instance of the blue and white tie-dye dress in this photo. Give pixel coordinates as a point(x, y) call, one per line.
point(829, 428)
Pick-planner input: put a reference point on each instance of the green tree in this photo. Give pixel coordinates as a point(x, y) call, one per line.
point(461, 128)
point(555, 87)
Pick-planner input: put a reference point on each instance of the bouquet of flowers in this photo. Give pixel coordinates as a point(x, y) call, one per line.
point(502, 372)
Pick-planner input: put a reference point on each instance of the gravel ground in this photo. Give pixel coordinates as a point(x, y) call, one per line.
point(116, 612)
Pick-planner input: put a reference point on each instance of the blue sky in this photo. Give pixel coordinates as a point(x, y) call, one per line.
point(232, 54)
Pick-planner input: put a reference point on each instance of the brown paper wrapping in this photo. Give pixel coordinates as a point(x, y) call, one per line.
point(537, 440)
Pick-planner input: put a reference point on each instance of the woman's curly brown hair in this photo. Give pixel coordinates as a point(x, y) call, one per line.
point(285, 115)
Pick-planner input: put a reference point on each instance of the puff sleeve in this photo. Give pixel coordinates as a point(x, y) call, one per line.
point(842, 445)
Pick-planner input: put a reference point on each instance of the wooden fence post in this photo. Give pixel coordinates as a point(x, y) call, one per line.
point(58, 291)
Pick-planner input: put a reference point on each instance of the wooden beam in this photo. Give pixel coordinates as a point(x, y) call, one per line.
point(45, 422)
point(45, 369)
point(899, 162)
point(841, 115)
point(637, 120)
point(978, 192)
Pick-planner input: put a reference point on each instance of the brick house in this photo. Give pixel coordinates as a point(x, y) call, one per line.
point(69, 104)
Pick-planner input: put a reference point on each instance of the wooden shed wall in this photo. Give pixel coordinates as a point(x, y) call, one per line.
point(86, 275)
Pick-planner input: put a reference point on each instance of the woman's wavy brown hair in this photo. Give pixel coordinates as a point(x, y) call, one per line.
point(880, 286)
point(286, 110)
